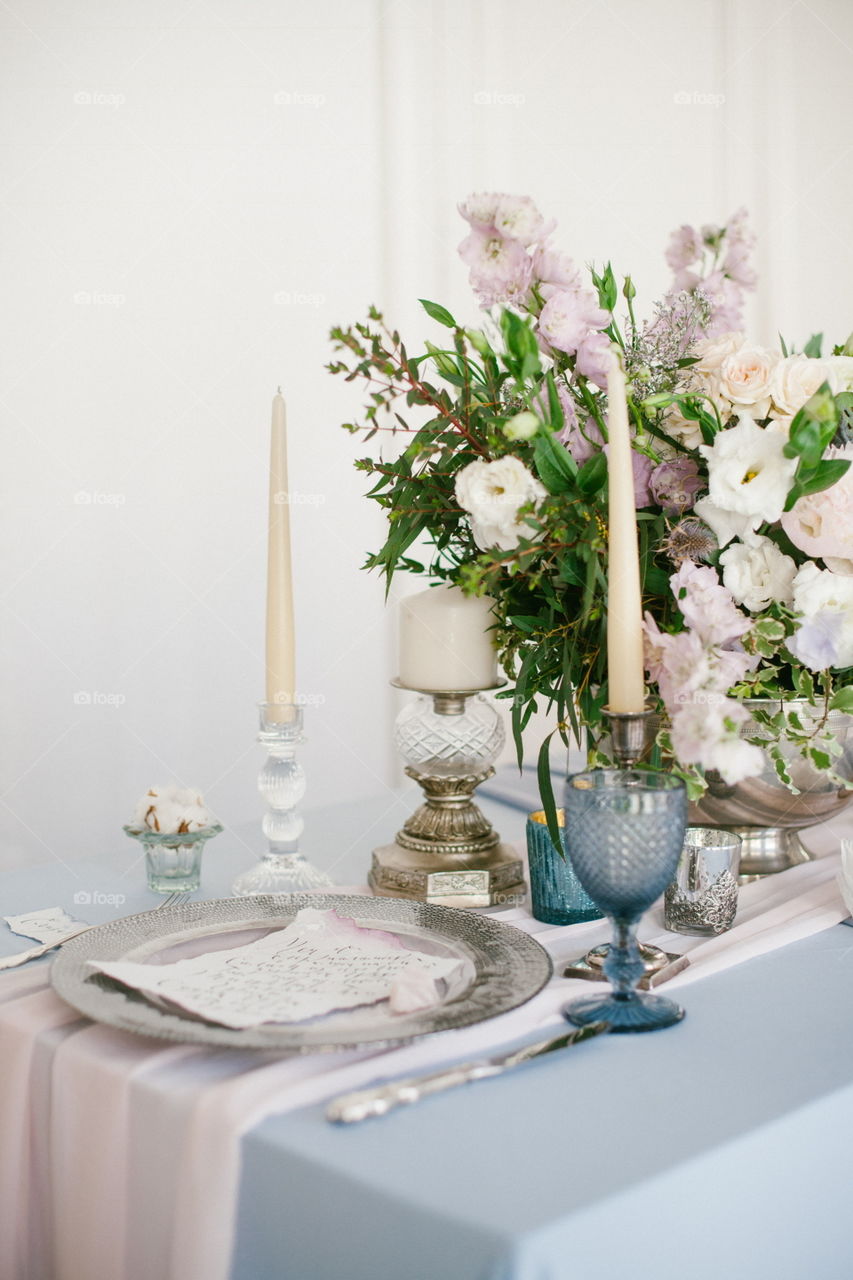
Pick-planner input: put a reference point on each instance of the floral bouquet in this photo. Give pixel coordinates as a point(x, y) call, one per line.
point(744, 496)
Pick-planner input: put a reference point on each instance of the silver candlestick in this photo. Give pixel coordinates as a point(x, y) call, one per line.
point(447, 851)
point(283, 868)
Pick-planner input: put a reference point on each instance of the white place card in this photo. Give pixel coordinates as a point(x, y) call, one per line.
point(48, 925)
point(319, 963)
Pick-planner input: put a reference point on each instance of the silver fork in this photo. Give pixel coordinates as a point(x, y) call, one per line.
point(21, 957)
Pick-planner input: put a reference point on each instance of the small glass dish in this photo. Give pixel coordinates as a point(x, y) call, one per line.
point(173, 858)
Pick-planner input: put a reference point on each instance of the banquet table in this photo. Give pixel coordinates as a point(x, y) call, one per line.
point(716, 1147)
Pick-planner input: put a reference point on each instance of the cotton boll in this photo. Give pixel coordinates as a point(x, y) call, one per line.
point(170, 810)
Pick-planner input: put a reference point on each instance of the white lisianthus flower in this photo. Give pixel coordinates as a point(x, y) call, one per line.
point(744, 379)
point(522, 427)
point(748, 472)
point(492, 493)
point(725, 525)
point(825, 599)
point(758, 573)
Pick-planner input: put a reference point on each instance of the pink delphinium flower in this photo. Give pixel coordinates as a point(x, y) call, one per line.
point(500, 269)
point(706, 605)
point(594, 358)
point(517, 218)
point(715, 260)
point(554, 270)
point(582, 439)
point(568, 317)
point(707, 732)
point(685, 247)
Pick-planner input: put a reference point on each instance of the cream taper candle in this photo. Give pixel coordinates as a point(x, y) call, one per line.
point(445, 641)
point(280, 644)
point(624, 600)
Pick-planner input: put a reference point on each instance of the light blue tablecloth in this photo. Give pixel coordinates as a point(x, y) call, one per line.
point(718, 1148)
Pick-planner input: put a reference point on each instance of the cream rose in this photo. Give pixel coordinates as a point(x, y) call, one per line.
point(744, 379)
point(821, 524)
point(795, 380)
point(711, 352)
point(492, 493)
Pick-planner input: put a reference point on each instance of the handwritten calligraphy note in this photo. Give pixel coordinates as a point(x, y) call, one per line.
point(319, 963)
point(45, 926)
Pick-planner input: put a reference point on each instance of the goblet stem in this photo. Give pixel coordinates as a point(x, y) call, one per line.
point(624, 966)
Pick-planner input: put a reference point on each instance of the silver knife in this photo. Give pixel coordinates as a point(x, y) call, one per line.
point(378, 1101)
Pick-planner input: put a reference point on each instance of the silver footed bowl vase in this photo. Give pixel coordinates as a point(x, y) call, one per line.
point(762, 811)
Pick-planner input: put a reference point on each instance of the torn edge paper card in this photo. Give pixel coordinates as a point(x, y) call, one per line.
point(319, 963)
point(48, 925)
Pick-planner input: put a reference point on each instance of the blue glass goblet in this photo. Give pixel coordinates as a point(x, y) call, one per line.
point(624, 833)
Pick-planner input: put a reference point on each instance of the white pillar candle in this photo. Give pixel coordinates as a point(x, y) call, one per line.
point(624, 602)
point(445, 640)
point(280, 645)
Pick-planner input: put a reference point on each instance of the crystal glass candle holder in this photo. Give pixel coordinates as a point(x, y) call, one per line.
point(173, 859)
point(447, 851)
point(281, 782)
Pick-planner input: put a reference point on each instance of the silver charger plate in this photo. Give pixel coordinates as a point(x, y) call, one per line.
point(502, 968)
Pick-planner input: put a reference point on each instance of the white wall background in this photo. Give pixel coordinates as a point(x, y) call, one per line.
point(190, 195)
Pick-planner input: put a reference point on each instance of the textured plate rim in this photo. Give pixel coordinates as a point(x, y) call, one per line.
point(511, 967)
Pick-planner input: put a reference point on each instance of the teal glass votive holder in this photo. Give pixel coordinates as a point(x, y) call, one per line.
point(556, 894)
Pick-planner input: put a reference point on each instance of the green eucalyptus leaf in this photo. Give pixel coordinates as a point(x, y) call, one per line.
point(593, 474)
point(437, 312)
point(546, 794)
point(554, 465)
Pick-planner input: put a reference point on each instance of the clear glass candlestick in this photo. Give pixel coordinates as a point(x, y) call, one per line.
point(283, 868)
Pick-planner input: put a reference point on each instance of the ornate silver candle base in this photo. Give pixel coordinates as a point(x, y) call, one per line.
point(283, 869)
point(447, 851)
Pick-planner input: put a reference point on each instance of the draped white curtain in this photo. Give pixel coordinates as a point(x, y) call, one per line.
point(191, 195)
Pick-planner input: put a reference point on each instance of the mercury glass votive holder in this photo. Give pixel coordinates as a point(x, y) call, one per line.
point(702, 899)
point(556, 894)
point(173, 859)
